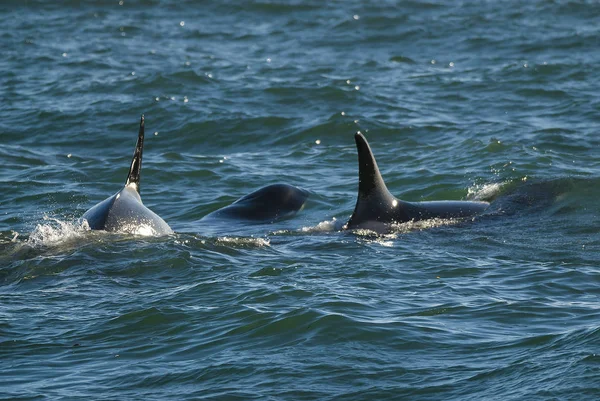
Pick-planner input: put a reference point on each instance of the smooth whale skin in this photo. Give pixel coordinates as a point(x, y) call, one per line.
point(376, 208)
point(124, 211)
point(267, 204)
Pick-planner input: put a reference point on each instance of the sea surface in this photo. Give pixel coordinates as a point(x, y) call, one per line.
point(483, 100)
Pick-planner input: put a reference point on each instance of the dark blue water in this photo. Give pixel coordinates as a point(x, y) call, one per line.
point(459, 100)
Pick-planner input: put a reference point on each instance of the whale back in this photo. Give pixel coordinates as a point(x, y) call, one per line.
point(267, 204)
point(124, 211)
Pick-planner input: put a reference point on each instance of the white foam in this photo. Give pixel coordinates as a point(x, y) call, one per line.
point(484, 191)
point(56, 231)
point(258, 242)
point(423, 224)
point(324, 226)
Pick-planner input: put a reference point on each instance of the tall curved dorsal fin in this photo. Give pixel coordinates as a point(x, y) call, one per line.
point(374, 203)
point(370, 181)
point(133, 179)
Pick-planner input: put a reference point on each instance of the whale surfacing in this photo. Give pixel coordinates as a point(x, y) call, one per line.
point(376, 208)
point(124, 211)
point(267, 204)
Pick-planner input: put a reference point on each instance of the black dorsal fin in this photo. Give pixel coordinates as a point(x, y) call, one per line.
point(370, 182)
point(133, 179)
point(374, 202)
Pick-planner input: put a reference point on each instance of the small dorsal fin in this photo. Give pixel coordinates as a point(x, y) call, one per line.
point(133, 179)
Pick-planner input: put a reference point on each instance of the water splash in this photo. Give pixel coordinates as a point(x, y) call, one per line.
point(257, 242)
point(485, 192)
point(324, 226)
point(56, 231)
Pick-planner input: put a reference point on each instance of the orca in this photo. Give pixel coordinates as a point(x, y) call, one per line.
point(124, 211)
point(267, 204)
point(376, 208)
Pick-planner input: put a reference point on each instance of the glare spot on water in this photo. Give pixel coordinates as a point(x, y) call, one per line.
point(132, 72)
point(64, 54)
point(357, 87)
point(144, 230)
point(121, 2)
point(156, 133)
point(187, 63)
point(182, 23)
point(432, 61)
point(348, 81)
point(451, 64)
point(318, 141)
point(185, 99)
point(343, 113)
point(356, 17)
point(156, 98)
point(395, 203)
point(69, 155)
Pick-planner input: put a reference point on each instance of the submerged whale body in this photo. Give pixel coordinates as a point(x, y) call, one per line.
point(267, 204)
point(376, 208)
point(124, 211)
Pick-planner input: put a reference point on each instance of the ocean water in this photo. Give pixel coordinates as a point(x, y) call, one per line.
point(459, 100)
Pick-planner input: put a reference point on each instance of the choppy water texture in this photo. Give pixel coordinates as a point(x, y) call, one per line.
point(459, 100)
